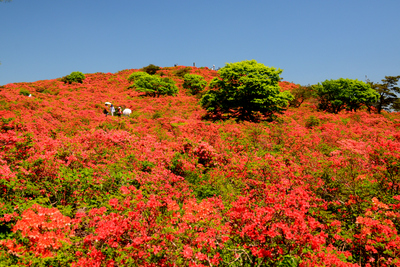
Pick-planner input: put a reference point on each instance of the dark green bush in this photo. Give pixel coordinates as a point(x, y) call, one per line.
point(157, 114)
point(146, 166)
point(182, 72)
point(74, 77)
point(150, 69)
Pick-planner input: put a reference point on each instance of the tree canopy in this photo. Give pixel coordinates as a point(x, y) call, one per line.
point(75, 76)
point(151, 69)
point(387, 91)
point(245, 89)
point(155, 86)
point(137, 75)
point(336, 95)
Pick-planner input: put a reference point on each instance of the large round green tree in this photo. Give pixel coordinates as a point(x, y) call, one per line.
point(246, 89)
point(336, 95)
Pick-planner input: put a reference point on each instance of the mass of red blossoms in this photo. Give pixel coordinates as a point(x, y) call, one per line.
point(166, 187)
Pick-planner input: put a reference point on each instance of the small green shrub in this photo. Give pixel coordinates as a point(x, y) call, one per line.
point(345, 120)
point(312, 121)
point(288, 261)
point(4, 105)
point(150, 69)
point(155, 86)
point(135, 114)
point(50, 92)
point(146, 166)
point(24, 92)
point(74, 77)
point(112, 125)
point(194, 83)
point(326, 149)
point(157, 114)
point(200, 186)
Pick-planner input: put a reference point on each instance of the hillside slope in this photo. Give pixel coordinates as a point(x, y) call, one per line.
point(166, 187)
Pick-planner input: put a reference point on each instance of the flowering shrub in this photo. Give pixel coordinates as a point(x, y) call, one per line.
point(377, 236)
point(43, 232)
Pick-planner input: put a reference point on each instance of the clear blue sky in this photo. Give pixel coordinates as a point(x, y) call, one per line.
point(311, 40)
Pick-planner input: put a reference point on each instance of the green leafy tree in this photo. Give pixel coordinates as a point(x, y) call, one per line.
point(396, 105)
point(194, 83)
point(336, 95)
point(155, 86)
point(75, 76)
point(245, 89)
point(387, 90)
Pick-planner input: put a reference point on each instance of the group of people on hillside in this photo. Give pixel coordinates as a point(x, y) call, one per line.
point(110, 110)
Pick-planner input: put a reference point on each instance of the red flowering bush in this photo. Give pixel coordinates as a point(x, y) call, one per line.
point(44, 230)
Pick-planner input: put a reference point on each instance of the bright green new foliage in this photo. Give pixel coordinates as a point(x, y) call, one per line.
point(194, 83)
point(155, 86)
point(245, 89)
point(137, 75)
point(336, 95)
